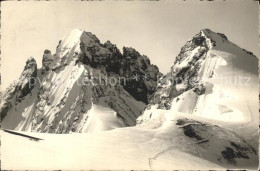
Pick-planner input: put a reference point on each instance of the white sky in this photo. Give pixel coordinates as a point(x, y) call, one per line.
point(156, 29)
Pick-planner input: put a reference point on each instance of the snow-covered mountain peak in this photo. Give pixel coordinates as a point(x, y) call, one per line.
point(211, 34)
point(215, 38)
point(71, 39)
point(74, 85)
point(70, 42)
point(207, 79)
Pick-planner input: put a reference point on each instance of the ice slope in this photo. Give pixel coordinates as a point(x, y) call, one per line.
point(67, 93)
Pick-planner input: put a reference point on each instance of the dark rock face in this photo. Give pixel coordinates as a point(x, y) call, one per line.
point(6, 104)
point(116, 100)
point(197, 40)
point(46, 60)
point(187, 74)
point(27, 78)
point(20, 89)
point(140, 77)
point(93, 52)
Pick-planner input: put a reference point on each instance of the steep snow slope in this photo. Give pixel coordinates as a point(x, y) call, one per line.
point(64, 94)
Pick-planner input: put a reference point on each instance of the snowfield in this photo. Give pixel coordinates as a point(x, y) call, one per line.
point(99, 151)
point(167, 143)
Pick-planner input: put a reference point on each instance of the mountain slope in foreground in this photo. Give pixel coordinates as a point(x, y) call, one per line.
point(203, 124)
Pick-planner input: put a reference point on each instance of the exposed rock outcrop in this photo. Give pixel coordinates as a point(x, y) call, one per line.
point(140, 75)
point(47, 59)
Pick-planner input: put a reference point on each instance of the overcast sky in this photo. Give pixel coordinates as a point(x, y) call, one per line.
point(156, 29)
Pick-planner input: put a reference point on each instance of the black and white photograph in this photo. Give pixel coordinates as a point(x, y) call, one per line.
point(129, 85)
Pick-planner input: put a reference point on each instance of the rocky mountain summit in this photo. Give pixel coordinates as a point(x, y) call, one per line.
point(108, 58)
